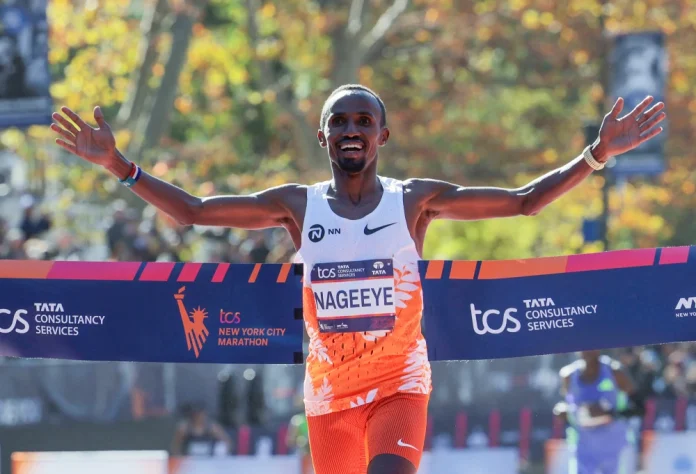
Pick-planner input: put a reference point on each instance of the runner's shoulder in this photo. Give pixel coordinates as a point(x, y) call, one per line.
point(288, 194)
point(423, 186)
point(418, 191)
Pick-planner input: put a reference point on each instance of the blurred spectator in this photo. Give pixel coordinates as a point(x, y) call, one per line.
point(228, 400)
point(13, 247)
point(196, 435)
point(33, 224)
point(256, 405)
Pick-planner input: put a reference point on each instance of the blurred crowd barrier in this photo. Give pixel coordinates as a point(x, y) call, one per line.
point(663, 453)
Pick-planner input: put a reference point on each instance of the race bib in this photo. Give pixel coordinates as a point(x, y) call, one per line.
point(354, 296)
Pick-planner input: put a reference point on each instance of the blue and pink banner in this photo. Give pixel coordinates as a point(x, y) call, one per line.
point(515, 308)
point(151, 312)
point(252, 313)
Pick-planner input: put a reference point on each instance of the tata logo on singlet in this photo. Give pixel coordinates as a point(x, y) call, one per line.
point(17, 319)
point(485, 315)
point(378, 268)
point(317, 232)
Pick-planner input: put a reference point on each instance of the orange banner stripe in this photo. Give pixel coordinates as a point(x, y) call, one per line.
point(462, 270)
point(37, 269)
point(284, 272)
point(435, 269)
point(255, 273)
point(520, 268)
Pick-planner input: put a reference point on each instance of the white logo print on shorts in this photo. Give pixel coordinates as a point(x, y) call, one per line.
point(404, 445)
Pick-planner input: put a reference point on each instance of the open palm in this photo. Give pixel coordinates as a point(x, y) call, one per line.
point(96, 145)
point(620, 135)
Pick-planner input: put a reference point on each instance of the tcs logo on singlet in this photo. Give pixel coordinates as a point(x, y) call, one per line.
point(18, 325)
point(495, 329)
point(326, 273)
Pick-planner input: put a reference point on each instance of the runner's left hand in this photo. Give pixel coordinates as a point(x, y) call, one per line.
point(618, 135)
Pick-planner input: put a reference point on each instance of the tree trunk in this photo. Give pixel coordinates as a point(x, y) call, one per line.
point(151, 27)
point(156, 123)
point(347, 59)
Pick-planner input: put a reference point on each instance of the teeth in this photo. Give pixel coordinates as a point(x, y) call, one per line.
point(351, 147)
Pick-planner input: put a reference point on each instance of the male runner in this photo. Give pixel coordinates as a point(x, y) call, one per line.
point(599, 399)
point(360, 237)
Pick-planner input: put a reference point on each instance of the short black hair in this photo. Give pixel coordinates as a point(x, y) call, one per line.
point(352, 87)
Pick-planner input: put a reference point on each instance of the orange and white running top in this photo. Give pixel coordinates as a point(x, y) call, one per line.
point(363, 303)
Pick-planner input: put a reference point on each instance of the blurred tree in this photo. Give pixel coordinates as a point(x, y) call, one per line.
point(151, 27)
point(491, 92)
point(150, 129)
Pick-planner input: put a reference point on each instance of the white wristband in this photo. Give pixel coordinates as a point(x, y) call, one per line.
point(594, 164)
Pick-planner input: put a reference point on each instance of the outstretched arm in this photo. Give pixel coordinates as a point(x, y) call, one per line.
point(264, 209)
point(617, 135)
point(254, 211)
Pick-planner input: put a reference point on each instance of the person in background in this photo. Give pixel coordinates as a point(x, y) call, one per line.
point(34, 223)
point(599, 399)
point(197, 435)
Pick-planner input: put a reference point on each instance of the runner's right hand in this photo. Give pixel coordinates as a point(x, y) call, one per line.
point(96, 145)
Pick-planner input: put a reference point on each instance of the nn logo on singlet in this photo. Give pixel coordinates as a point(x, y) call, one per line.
point(317, 232)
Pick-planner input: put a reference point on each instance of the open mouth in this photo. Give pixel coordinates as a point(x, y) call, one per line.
point(351, 147)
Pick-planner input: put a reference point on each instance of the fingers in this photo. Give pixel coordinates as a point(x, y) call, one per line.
point(653, 120)
point(74, 117)
point(618, 107)
point(65, 123)
point(64, 133)
point(648, 134)
point(68, 146)
point(641, 107)
point(653, 110)
point(99, 117)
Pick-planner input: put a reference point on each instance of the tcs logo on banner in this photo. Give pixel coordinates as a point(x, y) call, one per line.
point(230, 317)
point(18, 325)
point(485, 327)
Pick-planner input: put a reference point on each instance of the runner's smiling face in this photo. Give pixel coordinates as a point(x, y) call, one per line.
point(353, 131)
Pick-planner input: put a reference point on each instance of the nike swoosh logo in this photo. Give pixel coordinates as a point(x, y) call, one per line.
point(404, 445)
point(369, 231)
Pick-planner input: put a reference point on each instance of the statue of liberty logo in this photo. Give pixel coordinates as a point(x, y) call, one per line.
point(194, 324)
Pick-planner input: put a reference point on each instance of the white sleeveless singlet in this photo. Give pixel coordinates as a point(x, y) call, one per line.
point(363, 310)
